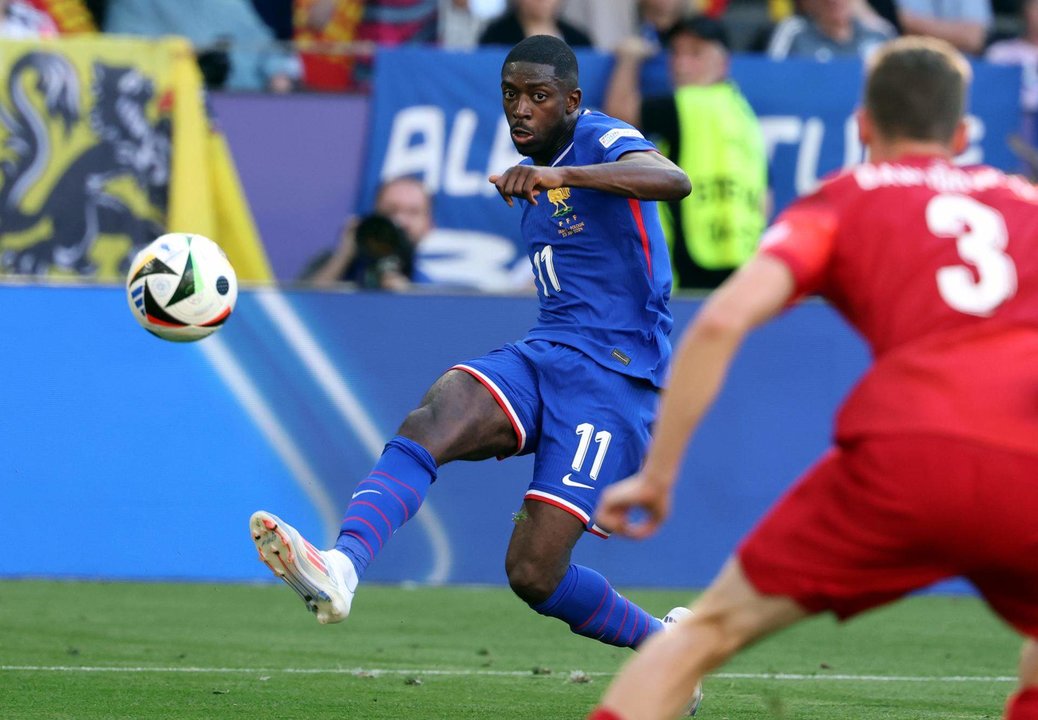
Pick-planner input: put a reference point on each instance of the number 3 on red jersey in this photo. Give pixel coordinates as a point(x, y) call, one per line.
point(980, 239)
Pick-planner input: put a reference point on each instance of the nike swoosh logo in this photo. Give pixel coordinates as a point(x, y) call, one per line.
point(574, 483)
point(361, 492)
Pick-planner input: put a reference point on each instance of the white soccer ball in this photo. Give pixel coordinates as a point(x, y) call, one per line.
point(181, 287)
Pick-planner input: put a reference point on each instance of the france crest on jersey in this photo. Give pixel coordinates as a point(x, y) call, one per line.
point(600, 261)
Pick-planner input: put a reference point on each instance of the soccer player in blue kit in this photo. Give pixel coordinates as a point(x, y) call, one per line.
point(579, 391)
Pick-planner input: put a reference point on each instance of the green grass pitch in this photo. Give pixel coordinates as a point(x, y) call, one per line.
point(84, 651)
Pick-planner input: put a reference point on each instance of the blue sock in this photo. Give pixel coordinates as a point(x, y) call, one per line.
point(383, 501)
point(586, 602)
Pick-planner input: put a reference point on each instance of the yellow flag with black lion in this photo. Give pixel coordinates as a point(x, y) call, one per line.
point(104, 145)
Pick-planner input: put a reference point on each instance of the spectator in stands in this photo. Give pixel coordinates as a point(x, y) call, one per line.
point(325, 32)
point(963, 23)
point(339, 37)
point(229, 36)
point(657, 17)
point(712, 134)
point(608, 22)
point(882, 10)
point(19, 20)
point(532, 17)
point(456, 259)
point(652, 20)
point(1023, 51)
point(827, 29)
point(462, 21)
point(396, 22)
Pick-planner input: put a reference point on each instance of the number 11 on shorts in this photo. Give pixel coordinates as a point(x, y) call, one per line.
point(586, 432)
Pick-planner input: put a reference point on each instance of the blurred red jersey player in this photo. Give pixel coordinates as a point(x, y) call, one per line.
point(934, 471)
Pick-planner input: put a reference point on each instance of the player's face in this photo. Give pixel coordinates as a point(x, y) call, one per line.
point(540, 113)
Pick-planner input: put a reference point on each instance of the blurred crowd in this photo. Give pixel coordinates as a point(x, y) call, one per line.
point(282, 46)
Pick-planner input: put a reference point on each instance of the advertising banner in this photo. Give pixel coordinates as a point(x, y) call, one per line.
point(288, 406)
point(437, 115)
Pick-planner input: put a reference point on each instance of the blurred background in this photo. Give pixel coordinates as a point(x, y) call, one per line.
point(339, 151)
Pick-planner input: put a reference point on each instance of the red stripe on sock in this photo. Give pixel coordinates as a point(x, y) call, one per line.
point(389, 525)
point(378, 535)
point(371, 553)
point(592, 615)
point(407, 513)
point(636, 643)
point(603, 714)
point(623, 620)
point(399, 482)
point(634, 630)
point(612, 604)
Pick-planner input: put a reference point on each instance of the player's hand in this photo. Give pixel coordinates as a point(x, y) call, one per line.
point(636, 493)
point(526, 182)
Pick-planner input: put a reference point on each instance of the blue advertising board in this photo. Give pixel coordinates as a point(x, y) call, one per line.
point(125, 456)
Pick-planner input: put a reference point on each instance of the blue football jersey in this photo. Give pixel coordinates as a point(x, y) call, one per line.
point(600, 261)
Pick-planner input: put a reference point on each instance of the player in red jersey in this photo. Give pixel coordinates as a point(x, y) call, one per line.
point(934, 470)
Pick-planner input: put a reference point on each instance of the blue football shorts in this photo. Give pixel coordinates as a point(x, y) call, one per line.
point(588, 426)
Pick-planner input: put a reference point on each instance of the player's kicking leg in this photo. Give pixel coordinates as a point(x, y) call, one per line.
point(456, 420)
point(324, 579)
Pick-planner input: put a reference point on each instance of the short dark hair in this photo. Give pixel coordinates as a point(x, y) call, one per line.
point(916, 89)
point(547, 50)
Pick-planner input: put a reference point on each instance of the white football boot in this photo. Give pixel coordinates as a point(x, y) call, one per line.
point(669, 620)
point(325, 579)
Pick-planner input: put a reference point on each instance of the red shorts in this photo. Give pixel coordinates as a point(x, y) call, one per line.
point(881, 517)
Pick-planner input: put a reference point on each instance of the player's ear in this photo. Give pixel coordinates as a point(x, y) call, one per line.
point(573, 98)
point(960, 138)
point(866, 130)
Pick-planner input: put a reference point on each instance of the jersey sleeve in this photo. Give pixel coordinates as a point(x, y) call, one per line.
point(614, 138)
point(803, 237)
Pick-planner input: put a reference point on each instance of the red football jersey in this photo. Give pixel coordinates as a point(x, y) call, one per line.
point(937, 266)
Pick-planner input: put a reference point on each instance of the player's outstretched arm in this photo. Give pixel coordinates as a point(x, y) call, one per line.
point(645, 175)
point(755, 294)
point(642, 174)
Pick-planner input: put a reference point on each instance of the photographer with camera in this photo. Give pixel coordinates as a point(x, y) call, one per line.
point(378, 251)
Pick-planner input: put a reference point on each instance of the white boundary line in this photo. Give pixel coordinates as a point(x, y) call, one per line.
point(353, 412)
point(375, 672)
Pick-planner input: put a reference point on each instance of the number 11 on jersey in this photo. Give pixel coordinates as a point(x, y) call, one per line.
point(544, 263)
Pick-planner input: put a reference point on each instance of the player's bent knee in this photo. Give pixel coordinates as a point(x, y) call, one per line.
point(419, 425)
point(530, 581)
